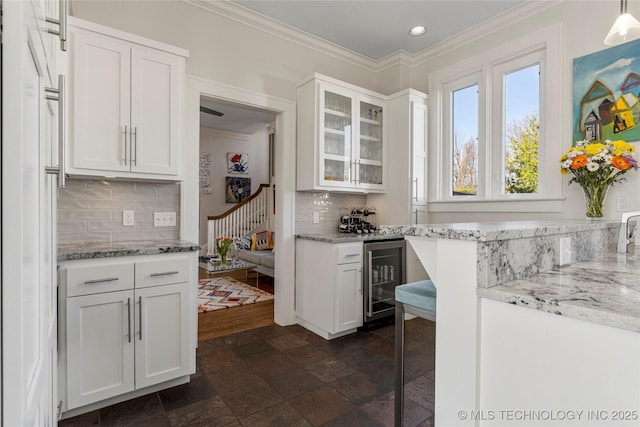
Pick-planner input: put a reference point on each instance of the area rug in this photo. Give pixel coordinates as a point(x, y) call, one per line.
point(226, 292)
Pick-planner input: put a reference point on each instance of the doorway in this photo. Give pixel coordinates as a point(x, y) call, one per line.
point(235, 147)
point(282, 113)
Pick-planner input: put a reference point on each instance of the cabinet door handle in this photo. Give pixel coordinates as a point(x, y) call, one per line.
point(61, 22)
point(129, 318)
point(370, 288)
point(126, 144)
point(134, 146)
point(166, 273)
point(416, 185)
point(108, 279)
point(416, 212)
point(59, 96)
point(140, 315)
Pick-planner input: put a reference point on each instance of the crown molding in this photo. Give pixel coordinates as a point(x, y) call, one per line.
point(256, 20)
point(497, 23)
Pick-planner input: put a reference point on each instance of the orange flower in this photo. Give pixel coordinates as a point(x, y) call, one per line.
point(620, 163)
point(579, 161)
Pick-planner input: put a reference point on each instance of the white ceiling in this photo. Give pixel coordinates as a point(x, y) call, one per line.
point(372, 28)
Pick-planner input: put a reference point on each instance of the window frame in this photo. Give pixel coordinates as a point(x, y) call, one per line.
point(487, 70)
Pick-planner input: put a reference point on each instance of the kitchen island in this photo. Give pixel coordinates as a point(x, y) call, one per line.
point(521, 340)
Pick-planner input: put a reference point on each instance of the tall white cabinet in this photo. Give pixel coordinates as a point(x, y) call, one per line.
point(126, 328)
point(341, 137)
point(29, 142)
point(126, 102)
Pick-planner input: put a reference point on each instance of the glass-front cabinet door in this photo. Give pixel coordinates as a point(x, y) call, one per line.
point(336, 146)
point(341, 143)
point(370, 145)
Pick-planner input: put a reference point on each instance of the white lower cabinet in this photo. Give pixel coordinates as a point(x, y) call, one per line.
point(124, 332)
point(329, 300)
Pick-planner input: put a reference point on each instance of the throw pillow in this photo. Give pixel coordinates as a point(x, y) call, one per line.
point(261, 240)
point(242, 243)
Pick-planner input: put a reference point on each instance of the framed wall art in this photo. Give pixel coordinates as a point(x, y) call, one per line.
point(238, 163)
point(237, 189)
point(606, 88)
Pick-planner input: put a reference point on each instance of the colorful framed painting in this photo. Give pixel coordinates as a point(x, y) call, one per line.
point(606, 91)
point(237, 163)
point(237, 189)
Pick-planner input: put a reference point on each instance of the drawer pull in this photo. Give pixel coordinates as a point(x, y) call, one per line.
point(129, 317)
point(351, 255)
point(166, 273)
point(108, 279)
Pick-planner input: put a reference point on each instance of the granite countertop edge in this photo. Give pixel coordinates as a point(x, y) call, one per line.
point(76, 251)
point(348, 237)
point(498, 230)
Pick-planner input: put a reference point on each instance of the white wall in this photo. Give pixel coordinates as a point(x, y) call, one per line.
point(218, 143)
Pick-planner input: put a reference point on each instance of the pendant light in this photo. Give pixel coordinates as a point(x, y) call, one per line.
point(624, 29)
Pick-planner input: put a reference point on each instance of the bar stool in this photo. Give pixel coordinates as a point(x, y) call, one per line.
point(418, 299)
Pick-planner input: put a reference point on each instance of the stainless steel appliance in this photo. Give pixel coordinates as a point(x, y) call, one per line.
point(384, 269)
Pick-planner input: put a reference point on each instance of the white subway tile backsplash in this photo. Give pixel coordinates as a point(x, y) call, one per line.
point(91, 210)
point(330, 206)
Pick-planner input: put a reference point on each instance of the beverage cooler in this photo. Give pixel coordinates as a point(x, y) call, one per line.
point(384, 269)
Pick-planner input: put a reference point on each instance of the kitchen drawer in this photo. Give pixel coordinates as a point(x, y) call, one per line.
point(94, 278)
point(172, 269)
point(349, 253)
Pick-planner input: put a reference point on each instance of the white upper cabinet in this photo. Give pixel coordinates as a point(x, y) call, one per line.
point(419, 152)
point(340, 137)
point(126, 105)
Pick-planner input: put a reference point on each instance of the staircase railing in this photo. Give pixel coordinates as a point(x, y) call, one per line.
point(243, 219)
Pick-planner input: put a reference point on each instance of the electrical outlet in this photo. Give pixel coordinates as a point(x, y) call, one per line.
point(565, 251)
point(164, 219)
point(128, 219)
point(316, 217)
point(622, 204)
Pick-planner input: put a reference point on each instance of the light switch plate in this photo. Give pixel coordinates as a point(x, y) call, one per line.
point(164, 219)
point(128, 218)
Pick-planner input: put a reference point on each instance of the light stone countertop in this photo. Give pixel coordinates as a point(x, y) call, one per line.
point(518, 264)
point(72, 251)
point(338, 237)
point(498, 230)
point(605, 291)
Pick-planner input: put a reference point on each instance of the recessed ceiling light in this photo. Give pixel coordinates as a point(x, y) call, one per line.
point(418, 30)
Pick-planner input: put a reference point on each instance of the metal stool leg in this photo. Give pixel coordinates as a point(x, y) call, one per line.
point(399, 366)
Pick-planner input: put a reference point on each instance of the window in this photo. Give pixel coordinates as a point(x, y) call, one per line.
point(522, 130)
point(498, 138)
point(465, 141)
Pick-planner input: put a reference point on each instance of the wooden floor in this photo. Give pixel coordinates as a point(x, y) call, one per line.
point(219, 323)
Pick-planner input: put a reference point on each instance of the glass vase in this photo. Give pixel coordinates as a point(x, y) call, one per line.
point(594, 200)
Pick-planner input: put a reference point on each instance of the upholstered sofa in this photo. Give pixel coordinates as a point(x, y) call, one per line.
point(263, 259)
point(253, 251)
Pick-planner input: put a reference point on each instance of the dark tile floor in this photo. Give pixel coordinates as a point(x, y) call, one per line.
point(288, 376)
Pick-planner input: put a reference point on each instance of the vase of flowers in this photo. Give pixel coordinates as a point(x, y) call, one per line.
point(597, 166)
point(223, 244)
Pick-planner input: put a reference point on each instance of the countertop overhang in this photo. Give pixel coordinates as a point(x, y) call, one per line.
point(73, 251)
